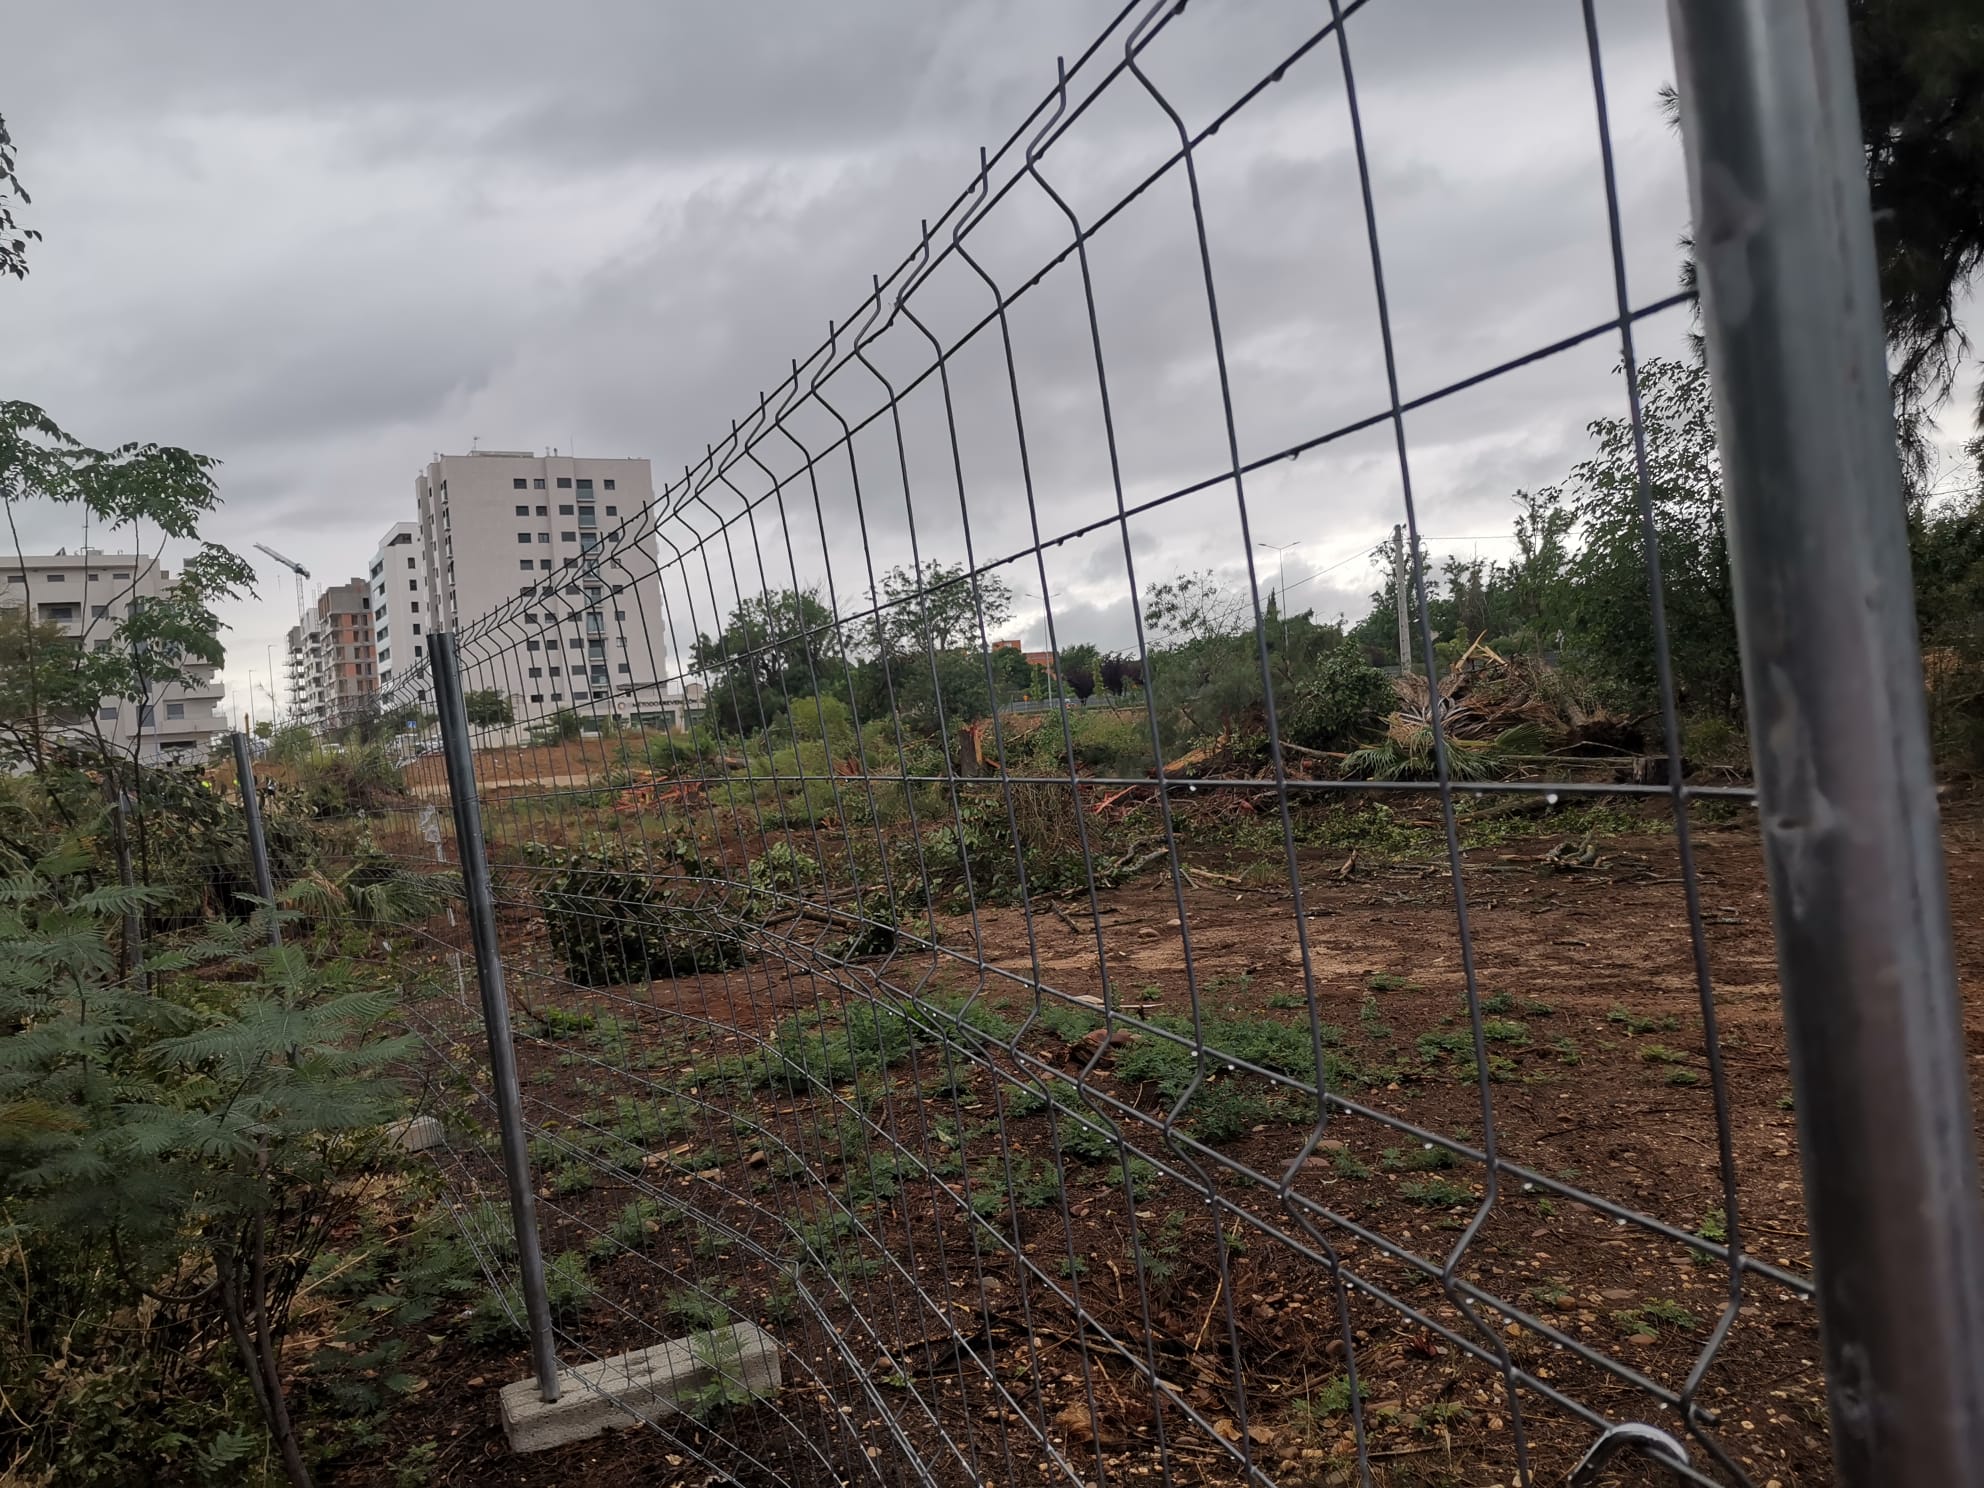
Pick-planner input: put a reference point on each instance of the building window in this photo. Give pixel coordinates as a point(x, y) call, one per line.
point(554, 672)
point(622, 667)
point(108, 715)
point(531, 644)
point(564, 483)
point(543, 537)
point(537, 697)
point(534, 672)
point(416, 631)
point(599, 697)
point(103, 645)
point(17, 578)
point(587, 517)
point(538, 484)
point(540, 510)
point(609, 486)
point(571, 563)
point(120, 576)
point(568, 537)
point(523, 511)
point(409, 561)
point(564, 511)
point(175, 710)
point(620, 615)
point(98, 612)
point(518, 483)
point(524, 538)
point(145, 718)
point(544, 563)
point(56, 578)
point(524, 564)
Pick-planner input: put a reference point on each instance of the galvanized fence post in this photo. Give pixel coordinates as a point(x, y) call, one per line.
point(258, 845)
point(460, 760)
point(1839, 730)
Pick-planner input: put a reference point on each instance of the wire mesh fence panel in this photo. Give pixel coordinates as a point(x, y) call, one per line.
point(1100, 1022)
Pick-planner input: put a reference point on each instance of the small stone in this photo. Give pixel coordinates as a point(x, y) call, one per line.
point(1146, 933)
point(1643, 1338)
point(1618, 1294)
point(1293, 955)
point(1330, 1144)
point(1174, 924)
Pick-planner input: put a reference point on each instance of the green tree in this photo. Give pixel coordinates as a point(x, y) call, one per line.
point(488, 707)
point(946, 610)
point(1609, 635)
point(776, 647)
point(14, 239)
point(1919, 65)
point(173, 637)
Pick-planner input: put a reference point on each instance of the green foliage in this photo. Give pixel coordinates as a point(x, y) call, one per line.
point(563, 726)
point(719, 1357)
point(1917, 64)
point(487, 707)
point(1435, 1193)
point(1334, 703)
point(203, 1121)
point(499, 1316)
point(342, 779)
point(14, 239)
point(690, 1308)
point(610, 918)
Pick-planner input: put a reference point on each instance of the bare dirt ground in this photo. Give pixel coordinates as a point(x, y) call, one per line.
point(1599, 1084)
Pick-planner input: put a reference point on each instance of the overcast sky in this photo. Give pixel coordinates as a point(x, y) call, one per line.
point(322, 243)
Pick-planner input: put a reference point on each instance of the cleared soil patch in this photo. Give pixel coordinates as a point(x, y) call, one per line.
point(874, 1198)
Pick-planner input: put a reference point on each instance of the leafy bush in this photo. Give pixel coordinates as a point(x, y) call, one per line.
point(207, 1116)
point(1331, 706)
point(337, 780)
point(610, 919)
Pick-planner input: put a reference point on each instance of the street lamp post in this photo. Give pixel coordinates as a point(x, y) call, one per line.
point(1281, 571)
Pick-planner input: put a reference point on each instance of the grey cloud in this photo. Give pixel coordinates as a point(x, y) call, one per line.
point(609, 226)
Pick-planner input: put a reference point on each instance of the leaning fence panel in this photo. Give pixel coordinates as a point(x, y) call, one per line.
point(1269, 1050)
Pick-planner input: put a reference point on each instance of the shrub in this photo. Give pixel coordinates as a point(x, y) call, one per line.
point(1331, 706)
point(610, 919)
point(337, 780)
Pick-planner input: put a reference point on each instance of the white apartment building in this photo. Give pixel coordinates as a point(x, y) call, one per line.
point(86, 594)
point(547, 532)
point(400, 614)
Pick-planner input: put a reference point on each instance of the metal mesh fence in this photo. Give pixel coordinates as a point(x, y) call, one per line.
point(1077, 1075)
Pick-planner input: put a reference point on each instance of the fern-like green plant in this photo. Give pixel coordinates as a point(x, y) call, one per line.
point(191, 1129)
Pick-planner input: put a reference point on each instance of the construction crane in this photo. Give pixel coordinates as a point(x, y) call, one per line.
point(302, 603)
